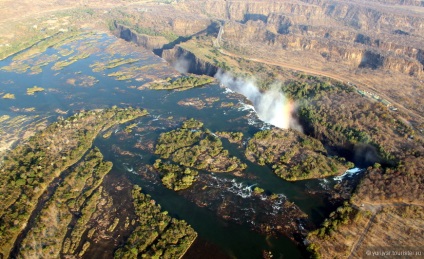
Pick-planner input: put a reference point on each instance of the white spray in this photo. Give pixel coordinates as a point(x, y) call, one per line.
point(182, 65)
point(271, 106)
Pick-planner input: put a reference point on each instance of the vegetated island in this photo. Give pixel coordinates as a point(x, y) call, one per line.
point(8, 96)
point(29, 169)
point(233, 137)
point(293, 156)
point(77, 194)
point(30, 53)
point(39, 43)
point(64, 63)
point(181, 83)
point(81, 211)
point(34, 89)
point(99, 66)
point(192, 147)
point(157, 234)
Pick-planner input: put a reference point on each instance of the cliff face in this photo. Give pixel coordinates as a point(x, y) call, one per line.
point(369, 16)
point(156, 25)
point(187, 26)
point(355, 50)
point(194, 64)
point(149, 42)
point(375, 35)
point(173, 55)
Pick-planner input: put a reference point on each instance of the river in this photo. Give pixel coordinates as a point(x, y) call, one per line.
point(77, 87)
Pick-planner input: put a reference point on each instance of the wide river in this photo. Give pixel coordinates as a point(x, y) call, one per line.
point(77, 87)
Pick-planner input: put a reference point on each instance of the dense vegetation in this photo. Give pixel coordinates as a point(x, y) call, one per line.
point(191, 146)
point(233, 137)
point(171, 141)
point(403, 183)
point(27, 171)
point(175, 177)
point(182, 83)
point(342, 216)
point(340, 117)
point(73, 195)
point(157, 235)
point(293, 156)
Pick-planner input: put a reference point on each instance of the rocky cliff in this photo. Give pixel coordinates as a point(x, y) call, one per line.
point(189, 62)
point(382, 34)
point(353, 14)
point(182, 59)
point(147, 41)
point(356, 50)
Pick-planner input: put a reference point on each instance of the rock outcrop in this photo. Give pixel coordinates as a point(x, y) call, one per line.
point(356, 50)
point(193, 64)
point(376, 36)
point(147, 41)
point(381, 35)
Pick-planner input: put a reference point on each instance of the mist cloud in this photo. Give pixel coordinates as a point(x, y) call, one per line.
point(271, 106)
point(182, 65)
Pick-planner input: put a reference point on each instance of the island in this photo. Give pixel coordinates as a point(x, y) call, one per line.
point(293, 156)
point(181, 83)
point(157, 234)
point(29, 169)
point(8, 96)
point(192, 147)
point(34, 89)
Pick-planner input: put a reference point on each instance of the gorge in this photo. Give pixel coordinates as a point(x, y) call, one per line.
point(220, 128)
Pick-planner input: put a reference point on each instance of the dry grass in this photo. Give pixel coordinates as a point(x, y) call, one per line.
point(390, 227)
point(339, 244)
point(394, 227)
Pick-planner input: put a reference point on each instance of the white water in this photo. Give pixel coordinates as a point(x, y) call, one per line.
point(128, 169)
point(155, 117)
point(246, 191)
point(348, 173)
